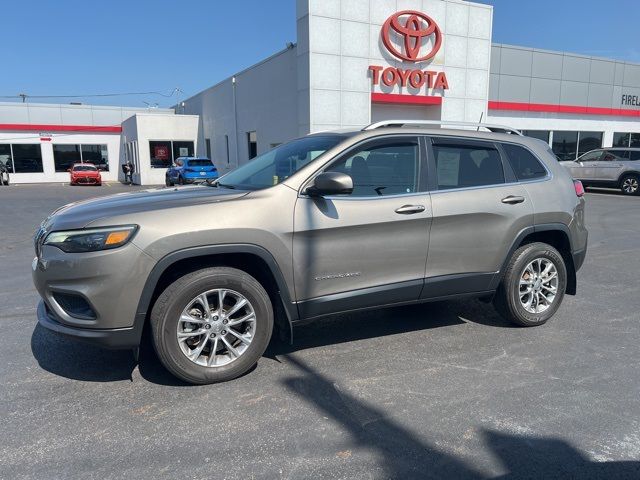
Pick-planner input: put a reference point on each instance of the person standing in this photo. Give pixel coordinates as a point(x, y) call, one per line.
point(128, 170)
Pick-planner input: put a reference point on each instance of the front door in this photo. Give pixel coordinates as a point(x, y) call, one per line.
point(368, 248)
point(478, 211)
point(584, 168)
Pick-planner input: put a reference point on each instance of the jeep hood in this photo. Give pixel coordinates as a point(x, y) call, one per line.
point(80, 214)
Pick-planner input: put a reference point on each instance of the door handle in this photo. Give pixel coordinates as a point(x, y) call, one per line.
point(409, 209)
point(512, 199)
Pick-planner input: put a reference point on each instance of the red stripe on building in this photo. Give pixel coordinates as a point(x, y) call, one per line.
point(405, 99)
point(543, 107)
point(24, 127)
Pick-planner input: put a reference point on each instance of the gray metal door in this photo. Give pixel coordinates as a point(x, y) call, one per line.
point(611, 165)
point(376, 237)
point(478, 211)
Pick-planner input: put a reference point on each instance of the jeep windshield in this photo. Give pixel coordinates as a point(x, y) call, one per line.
point(276, 165)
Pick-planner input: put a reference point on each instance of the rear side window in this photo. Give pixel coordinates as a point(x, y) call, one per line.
point(462, 166)
point(524, 164)
point(635, 155)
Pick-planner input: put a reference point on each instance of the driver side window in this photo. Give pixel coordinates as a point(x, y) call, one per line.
point(382, 168)
point(591, 156)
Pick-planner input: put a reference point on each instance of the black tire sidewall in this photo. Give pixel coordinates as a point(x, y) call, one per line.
point(165, 321)
point(530, 253)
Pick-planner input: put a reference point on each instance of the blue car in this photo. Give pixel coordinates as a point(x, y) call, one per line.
point(190, 170)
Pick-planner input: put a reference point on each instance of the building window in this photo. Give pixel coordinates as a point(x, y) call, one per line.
point(164, 152)
point(27, 158)
point(207, 147)
point(588, 141)
point(252, 143)
point(622, 139)
point(96, 154)
point(160, 154)
point(6, 159)
point(182, 149)
point(64, 156)
point(565, 145)
point(539, 134)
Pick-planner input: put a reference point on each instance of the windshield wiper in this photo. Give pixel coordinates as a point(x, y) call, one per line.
point(230, 187)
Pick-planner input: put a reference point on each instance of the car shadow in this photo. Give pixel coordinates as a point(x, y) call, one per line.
point(78, 361)
point(385, 322)
point(406, 454)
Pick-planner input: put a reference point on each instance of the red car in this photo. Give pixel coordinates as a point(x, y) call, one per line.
point(85, 174)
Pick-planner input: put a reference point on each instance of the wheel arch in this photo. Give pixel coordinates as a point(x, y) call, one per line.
point(253, 259)
point(555, 234)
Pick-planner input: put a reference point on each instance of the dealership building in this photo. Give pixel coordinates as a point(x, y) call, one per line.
point(357, 62)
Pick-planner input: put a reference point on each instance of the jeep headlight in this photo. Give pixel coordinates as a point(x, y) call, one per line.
point(91, 239)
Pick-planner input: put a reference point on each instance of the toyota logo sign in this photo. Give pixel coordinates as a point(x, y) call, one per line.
point(412, 27)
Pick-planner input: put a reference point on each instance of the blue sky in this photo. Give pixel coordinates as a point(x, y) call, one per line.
point(82, 47)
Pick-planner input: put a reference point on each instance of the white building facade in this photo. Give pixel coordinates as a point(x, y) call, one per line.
point(359, 61)
point(40, 142)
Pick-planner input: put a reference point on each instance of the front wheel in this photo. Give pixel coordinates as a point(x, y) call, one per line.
point(630, 185)
point(211, 325)
point(167, 181)
point(533, 285)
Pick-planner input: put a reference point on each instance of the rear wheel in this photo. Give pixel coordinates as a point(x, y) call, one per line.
point(211, 325)
point(630, 184)
point(533, 285)
point(167, 181)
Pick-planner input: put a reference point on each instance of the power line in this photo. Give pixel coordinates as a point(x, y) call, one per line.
point(25, 96)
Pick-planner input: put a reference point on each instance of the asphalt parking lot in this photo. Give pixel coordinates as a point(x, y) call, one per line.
point(444, 390)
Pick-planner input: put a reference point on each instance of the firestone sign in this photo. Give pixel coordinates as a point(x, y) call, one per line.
point(413, 29)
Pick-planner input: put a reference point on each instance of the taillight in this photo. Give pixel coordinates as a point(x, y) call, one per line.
point(577, 184)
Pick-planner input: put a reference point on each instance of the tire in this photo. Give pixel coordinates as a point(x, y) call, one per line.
point(168, 182)
point(507, 300)
point(630, 184)
point(175, 300)
point(181, 180)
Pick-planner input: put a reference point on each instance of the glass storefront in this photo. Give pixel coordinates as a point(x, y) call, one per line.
point(626, 139)
point(21, 157)
point(565, 144)
point(539, 134)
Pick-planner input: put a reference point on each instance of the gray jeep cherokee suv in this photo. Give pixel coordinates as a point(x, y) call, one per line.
point(396, 213)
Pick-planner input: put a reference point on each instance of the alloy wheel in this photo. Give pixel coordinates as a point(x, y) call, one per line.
point(538, 285)
point(630, 185)
point(216, 327)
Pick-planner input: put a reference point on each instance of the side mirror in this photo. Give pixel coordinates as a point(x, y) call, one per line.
point(69, 170)
point(331, 183)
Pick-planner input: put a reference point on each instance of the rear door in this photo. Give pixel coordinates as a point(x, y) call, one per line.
point(478, 210)
point(368, 248)
point(611, 164)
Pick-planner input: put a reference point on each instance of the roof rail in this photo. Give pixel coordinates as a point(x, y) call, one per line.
point(402, 123)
